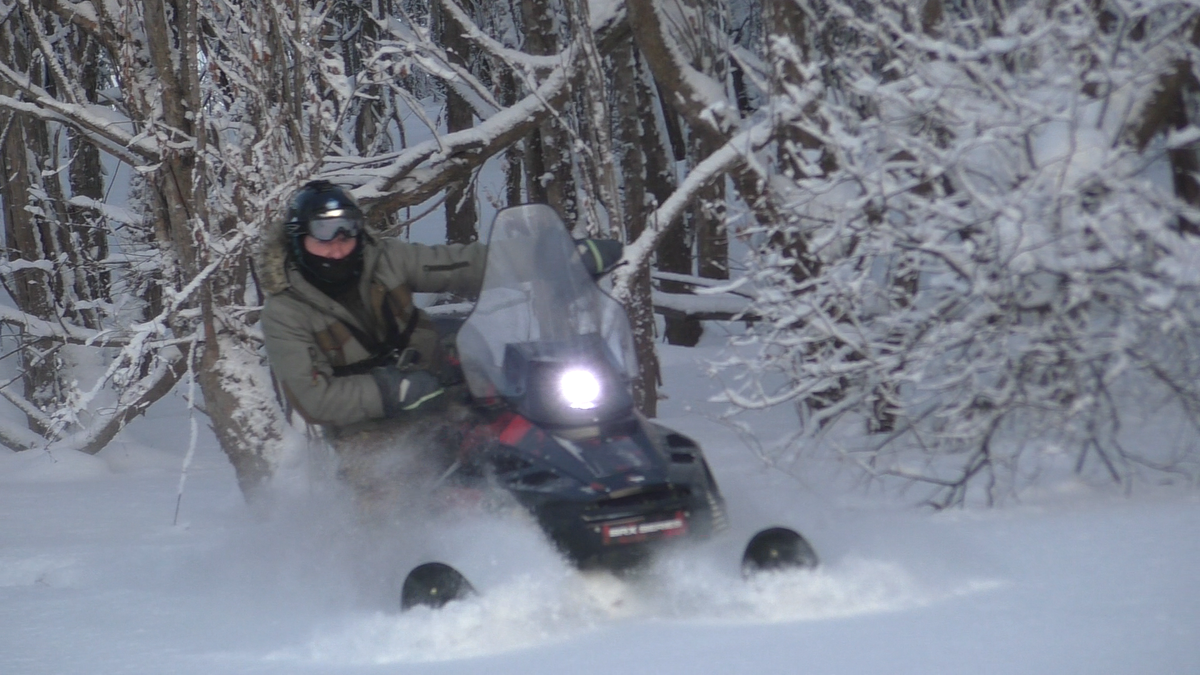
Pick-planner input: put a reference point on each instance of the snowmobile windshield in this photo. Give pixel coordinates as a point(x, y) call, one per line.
point(542, 322)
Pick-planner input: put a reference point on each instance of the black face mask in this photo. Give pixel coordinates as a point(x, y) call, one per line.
point(333, 276)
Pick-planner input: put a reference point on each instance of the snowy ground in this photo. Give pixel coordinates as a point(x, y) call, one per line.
point(95, 578)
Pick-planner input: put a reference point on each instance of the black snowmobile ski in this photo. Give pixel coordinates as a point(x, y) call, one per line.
point(433, 585)
point(777, 549)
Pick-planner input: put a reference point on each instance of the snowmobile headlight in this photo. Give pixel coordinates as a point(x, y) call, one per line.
point(580, 388)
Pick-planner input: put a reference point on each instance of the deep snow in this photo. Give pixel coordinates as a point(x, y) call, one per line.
point(95, 578)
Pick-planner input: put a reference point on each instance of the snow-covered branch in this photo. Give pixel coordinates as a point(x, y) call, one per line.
point(421, 171)
point(61, 331)
point(713, 167)
point(998, 271)
point(103, 130)
point(514, 58)
point(168, 368)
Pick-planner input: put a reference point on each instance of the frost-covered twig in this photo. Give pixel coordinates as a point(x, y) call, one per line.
point(192, 434)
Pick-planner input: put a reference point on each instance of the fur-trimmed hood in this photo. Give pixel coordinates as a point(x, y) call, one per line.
point(271, 259)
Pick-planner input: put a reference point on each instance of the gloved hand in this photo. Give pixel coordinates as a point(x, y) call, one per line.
point(599, 255)
point(404, 391)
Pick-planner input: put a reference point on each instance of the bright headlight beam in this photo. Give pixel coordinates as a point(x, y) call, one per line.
point(580, 388)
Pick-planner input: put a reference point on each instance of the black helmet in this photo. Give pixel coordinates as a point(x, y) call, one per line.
point(322, 209)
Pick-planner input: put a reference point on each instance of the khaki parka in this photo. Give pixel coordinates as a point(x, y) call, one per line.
point(308, 334)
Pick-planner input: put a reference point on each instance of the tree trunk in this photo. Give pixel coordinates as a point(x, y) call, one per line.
point(88, 245)
point(597, 161)
point(632, 139)
point(514, 156)
point(550, 177)
point(461, 216)
point(242, 411)
point(712, 239)
point(371, 110)
point(245, 415)
point(1166, 111)
point(674, 253)
point(29, 238)
point(29, 286)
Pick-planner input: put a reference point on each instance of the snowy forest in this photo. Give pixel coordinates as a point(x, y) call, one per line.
point(958, 237)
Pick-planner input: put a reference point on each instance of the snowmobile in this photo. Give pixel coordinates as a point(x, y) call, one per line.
point(548, 359)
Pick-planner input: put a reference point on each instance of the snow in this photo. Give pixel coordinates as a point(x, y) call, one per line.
point(95, 579)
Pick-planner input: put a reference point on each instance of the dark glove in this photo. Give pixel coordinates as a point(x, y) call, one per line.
point(599, 255)
point(404, 391)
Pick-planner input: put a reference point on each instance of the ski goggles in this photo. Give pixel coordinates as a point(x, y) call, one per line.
point(327, 229)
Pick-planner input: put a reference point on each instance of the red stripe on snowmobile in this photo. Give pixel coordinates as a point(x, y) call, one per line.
point(515, 430)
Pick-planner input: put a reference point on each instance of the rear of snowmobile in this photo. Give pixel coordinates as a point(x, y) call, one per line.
point(548, 359)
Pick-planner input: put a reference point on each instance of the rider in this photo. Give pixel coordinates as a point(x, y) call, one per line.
point(345, 341)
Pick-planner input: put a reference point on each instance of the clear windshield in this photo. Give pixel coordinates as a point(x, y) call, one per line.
point(537, 297)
